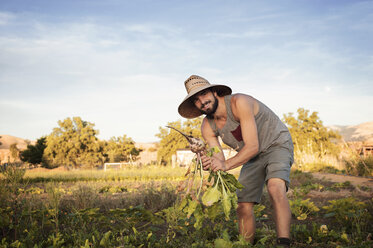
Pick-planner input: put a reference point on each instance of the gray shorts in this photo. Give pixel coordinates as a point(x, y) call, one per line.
point(273, 163)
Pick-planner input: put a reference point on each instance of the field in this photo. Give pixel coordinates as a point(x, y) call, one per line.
point(140, 207)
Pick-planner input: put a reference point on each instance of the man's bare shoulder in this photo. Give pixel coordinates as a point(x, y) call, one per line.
point(242, 97)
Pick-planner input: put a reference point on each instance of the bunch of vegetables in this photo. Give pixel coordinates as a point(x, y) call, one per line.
point(221, 190)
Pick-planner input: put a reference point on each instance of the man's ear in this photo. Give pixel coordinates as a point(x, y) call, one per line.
point(215, 93)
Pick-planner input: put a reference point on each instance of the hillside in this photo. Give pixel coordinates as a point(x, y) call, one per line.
point(361, 132)
point(8, 140)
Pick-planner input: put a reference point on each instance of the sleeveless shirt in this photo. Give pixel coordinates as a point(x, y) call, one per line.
point(271, 130)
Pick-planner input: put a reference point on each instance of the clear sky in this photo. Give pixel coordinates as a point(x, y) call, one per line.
point(121, 64)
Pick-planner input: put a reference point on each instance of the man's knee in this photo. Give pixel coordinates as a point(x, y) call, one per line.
point(276, 188)
point(245, 208)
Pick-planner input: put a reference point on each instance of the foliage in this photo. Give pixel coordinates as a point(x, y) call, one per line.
point(301, 209)
point(148, 214)
point(313, 162)
point(220, 195)
point(170, 140)
point(349, 213)
point(12, 173)
point(119, 149)
point(34, 153)
point(14, 151)
point(73, 143)
point(309, 134)
point(359, 166)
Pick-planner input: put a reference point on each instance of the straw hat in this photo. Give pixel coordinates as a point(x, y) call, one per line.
point(193, 85)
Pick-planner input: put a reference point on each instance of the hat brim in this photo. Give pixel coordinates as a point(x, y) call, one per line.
point(187, 109)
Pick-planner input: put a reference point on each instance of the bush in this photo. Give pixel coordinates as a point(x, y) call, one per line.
point(13, 173)
point(302, 208)
point(349, 213)
point(359, 166)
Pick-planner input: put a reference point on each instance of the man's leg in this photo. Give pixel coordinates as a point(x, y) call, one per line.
point(246, 220)
point(277, 192)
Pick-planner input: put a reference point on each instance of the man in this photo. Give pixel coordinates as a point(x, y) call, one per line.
point(263, 142)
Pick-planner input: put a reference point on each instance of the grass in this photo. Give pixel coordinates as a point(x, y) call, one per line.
point(128, 174)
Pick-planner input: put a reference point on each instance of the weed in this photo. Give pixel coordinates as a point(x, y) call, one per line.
point(85, 196)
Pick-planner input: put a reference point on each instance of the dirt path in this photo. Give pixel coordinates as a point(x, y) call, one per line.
point(356, 181)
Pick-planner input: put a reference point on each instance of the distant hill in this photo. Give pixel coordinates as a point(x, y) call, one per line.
point(8, 140)
point(361, 132)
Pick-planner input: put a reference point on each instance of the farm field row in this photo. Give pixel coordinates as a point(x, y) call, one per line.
point(141, 208)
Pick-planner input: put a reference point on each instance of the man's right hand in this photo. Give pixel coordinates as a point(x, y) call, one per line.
point(206, 161)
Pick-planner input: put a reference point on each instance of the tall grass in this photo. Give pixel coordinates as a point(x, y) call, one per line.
point(153, 173)
point(313, 162)
point(349, 161)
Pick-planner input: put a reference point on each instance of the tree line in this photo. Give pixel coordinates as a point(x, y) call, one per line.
point(74, 144)
point(307, 130)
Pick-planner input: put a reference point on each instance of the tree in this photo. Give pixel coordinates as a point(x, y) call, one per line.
point(34, 153)
point(14, 151)
point(119, 149)
point(170, 140)
point(309, 134)
point(74, 144)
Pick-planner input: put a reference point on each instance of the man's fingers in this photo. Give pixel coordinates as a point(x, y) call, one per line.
point(206, 162)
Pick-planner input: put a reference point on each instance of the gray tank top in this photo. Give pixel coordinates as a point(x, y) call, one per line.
point(271, 130)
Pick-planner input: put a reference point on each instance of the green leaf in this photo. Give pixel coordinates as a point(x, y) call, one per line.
point(303, 216)
point(191, 208)
point(215, 149)
point(211, 196)
point(329, 215)
point(198, 214)
point(226, 205)
point(213, 211)
point(105, 240)
point(221, 243)
point(183, 203)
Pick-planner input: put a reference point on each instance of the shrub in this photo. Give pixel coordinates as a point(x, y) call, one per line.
point(13, 173)
point(359, 166)
point(302, 208)
point(349, 213)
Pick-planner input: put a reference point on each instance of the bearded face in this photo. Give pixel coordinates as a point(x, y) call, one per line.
point(206, 102)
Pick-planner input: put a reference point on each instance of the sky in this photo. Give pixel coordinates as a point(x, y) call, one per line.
point(122, 64)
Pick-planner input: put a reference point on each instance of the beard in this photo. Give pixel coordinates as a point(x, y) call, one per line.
point(210, 111)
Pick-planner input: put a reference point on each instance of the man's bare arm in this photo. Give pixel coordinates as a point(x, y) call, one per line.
point(243, 109)
point(212, 141)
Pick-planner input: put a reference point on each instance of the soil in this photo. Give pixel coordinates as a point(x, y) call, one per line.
point(354, 180)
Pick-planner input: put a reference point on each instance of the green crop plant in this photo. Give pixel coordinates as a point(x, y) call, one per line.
point(221, 191)
point(301, 209)
point(350, 214)
point(339, 186)
point(223, 187)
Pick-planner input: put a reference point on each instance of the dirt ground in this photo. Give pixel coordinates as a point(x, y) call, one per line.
point(356, 181)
